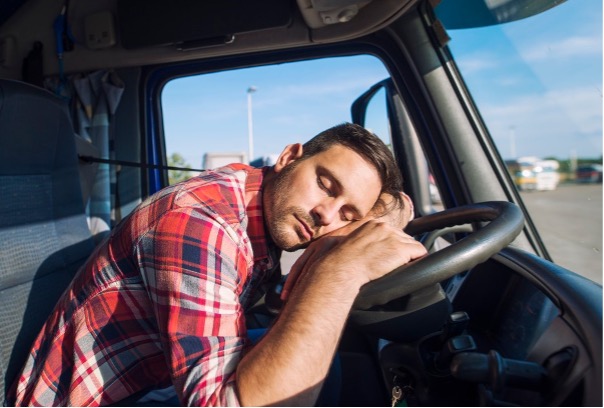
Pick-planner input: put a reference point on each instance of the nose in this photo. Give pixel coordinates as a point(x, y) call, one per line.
point(327, 212)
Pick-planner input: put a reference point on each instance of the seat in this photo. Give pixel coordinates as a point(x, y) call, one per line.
point(44, 236)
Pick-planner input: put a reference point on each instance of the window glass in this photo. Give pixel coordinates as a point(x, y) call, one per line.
point(252, 114)
point(376, 119)
point(538, 85)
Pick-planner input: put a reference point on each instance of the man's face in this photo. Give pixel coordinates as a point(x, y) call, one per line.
point(317, 195)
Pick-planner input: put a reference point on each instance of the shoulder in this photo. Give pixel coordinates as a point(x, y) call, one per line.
point(220, 191)
point(211, 201)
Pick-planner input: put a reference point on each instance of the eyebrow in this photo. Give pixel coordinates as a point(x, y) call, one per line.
point(338, 185)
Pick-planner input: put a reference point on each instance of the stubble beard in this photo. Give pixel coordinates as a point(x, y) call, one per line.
point(281, 220)
point(283, 232)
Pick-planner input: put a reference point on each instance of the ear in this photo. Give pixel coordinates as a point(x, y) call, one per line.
point(291, 153)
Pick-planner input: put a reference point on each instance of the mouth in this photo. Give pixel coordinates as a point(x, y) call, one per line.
point(307, 232)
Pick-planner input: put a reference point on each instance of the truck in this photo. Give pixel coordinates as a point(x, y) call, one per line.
point(534, 174)
point(219, 159)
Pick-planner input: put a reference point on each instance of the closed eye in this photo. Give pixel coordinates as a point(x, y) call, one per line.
point(333, 187)
point(324, 187)
point(348, 214)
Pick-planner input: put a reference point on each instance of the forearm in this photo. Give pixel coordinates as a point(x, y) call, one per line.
point(288, 366)
point(290, 363)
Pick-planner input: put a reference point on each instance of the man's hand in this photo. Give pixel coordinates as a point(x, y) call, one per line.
point(384, 234)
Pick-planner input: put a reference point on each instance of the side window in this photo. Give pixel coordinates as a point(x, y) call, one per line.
point(249, 115)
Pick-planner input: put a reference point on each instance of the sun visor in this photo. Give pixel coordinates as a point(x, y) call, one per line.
point(185, 23)
point(456, 14)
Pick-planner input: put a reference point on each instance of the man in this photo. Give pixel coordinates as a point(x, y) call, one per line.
point(161, 302)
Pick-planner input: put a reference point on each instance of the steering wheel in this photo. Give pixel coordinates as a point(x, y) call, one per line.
point(506, 222)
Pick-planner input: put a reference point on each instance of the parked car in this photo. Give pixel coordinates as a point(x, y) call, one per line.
point(486, 319)
point(533, 174)
point(589, 173)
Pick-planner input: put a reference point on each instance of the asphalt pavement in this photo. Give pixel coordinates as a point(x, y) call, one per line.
point(569, 221)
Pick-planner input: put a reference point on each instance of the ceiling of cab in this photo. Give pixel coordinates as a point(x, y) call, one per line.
point(8, 7)
point(321, 13)
point(143, 32)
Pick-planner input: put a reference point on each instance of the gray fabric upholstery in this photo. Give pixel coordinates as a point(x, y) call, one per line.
point(44, 237)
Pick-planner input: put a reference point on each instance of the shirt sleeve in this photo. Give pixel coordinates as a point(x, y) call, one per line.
point(193, 264)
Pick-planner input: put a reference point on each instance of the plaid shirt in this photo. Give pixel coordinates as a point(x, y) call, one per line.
point(160, 302)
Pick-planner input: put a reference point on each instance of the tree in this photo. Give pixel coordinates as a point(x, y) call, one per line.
point(176, 176)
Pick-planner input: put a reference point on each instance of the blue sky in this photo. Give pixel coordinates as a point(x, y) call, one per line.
point(293, 102)
point(540, 94)
point(541, 85)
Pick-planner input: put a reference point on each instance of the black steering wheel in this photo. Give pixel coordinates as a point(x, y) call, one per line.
point(506, 222)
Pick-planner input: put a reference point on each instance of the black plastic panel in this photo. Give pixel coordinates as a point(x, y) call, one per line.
point(145, 23)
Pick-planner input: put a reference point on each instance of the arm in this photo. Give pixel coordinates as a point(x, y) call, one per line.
point(290, 363)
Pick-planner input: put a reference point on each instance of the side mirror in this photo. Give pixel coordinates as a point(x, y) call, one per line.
point(381, 110)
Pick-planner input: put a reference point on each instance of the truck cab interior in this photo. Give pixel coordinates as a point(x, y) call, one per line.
point(487, 319)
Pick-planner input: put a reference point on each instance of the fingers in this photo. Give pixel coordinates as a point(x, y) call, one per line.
point(394, 212)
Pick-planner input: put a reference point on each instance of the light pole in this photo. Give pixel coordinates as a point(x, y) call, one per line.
point(250, 126)
point(513, 141)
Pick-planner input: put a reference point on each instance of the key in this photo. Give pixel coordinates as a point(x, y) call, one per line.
point(397, 395)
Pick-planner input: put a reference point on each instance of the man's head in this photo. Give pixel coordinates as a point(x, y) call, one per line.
point(333, 179)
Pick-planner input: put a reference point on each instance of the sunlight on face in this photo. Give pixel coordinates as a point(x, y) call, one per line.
point(322, 193)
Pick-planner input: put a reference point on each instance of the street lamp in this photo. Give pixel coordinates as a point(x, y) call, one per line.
point(250, 127)
point(513, 141)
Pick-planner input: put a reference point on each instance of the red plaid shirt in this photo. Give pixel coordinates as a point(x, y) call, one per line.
point(161, 301)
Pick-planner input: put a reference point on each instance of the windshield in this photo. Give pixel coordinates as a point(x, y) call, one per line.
point(538, 85)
